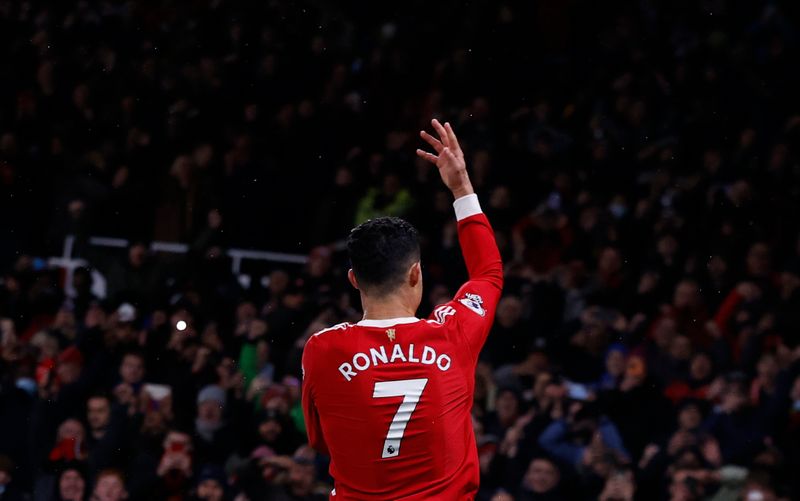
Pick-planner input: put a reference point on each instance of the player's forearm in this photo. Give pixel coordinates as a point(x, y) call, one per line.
point(464, 187)
point(476, 238)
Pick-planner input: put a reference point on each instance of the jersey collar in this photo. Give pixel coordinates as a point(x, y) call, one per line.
point(387, 322)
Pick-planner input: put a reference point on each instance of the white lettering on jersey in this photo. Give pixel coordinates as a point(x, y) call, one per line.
point(361, 361)
point(411, 354)
point(474, 302)
point(443, 362)
point(347, 371)
point(378, 355)
point(363, 365)
point(428, 356)
point(397, 352)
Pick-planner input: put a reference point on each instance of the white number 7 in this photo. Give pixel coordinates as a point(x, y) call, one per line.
point(411, 391)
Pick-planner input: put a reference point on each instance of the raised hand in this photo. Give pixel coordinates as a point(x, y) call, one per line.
point(449, 159)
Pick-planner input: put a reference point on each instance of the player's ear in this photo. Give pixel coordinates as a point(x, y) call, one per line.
point(415, 274)
point(351, 276)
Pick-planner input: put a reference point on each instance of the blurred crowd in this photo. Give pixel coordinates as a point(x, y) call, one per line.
point(638, 160)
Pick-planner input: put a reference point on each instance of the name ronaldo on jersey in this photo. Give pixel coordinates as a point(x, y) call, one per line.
point(397, 353)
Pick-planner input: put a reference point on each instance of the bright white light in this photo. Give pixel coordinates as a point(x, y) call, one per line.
point(181, 325)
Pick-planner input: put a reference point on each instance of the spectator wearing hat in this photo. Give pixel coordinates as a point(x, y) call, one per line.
point(214, 438)
point(62, 385)
point(276, 431)
point(615, 361)
point(211, 484)
point(69, 366)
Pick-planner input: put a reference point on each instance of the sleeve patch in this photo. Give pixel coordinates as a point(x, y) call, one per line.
point(474, 302)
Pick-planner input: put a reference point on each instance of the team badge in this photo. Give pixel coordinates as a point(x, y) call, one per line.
point(390, 333)
point(474, 302)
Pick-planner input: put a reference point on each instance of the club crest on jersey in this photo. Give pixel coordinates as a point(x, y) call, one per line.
point(474, 302)
point(391, 334)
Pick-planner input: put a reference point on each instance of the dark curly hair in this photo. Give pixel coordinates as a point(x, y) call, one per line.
point(381, 250)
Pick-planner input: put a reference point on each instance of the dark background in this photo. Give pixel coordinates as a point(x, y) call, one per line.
point(638, 160)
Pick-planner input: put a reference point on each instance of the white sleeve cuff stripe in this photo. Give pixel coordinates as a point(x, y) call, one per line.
point(467, 206)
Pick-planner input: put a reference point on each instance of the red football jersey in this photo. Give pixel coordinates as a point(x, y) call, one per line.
point(390, 400)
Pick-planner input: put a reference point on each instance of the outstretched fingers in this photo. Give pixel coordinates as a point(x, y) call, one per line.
point(448, 154)
point(430, 157)
point(452, 142)
point(446, 145)
point(441, 131)
point(435, 143)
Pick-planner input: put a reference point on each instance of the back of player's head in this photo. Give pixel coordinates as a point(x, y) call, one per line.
point(381, 251)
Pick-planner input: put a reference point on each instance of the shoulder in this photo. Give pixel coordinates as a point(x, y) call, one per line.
point(338, 327)
point(327, 334)
point(312, 345)
point(442, 313)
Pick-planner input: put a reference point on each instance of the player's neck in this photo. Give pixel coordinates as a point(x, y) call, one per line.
point(385, 308)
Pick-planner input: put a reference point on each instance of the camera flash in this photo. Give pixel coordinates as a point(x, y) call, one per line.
point(181, 325)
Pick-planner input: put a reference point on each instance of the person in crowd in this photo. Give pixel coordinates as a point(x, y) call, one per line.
point(8, 488)
point(109, 486)
point(542, 481)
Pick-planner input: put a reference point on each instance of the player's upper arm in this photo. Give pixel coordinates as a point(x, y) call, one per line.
point(310, 414)
point(474, 305)
point(478, 246)
point(472, 313)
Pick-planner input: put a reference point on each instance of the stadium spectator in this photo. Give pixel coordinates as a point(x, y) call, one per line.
point(109, 486)
point(541, 482)
point(71, 485)
point(8, 489)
